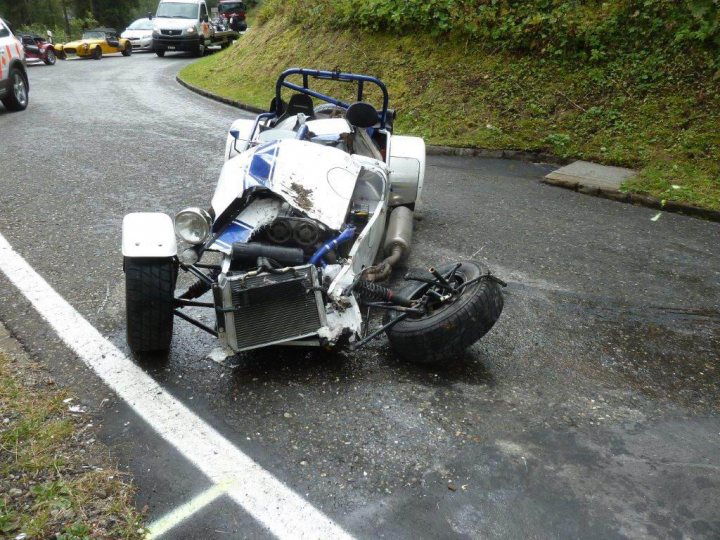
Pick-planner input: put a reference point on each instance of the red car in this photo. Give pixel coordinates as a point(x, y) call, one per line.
point(38, 49)
point(233, 14)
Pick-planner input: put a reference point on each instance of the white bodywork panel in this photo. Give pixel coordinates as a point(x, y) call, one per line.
point(317, 180)
point(148, 235)
point(407, 169)
point(258, 213)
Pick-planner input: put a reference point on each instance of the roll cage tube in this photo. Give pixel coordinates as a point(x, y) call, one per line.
point(331, 76)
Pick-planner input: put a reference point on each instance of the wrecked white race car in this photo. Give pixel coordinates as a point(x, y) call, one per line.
point(314, 207)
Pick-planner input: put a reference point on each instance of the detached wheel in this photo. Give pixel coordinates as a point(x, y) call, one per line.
point(451, 328)
point(127, 51)
point(50, 58)
point(97, 53)
point(149, 297)
point(17, 99)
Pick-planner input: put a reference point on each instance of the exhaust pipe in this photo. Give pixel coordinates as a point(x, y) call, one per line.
point(398, 237)
point(399, 233)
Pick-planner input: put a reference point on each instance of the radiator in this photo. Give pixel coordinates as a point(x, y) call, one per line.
point(270, 309)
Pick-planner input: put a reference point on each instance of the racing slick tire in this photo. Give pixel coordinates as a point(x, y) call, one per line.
point(160, 53)
point(149, 303)
point(127, 51)
point(97, 53)
point(18, 98)
point(449, 330)
point(50, 58)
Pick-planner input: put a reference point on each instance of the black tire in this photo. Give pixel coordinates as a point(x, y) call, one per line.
point(160, 53)
point(18, 97)
point(127, 51)
point(199, 52)
point(97, 53)
point(61, 55)
point(450, 330)
point(50, 57)
point(149, 303)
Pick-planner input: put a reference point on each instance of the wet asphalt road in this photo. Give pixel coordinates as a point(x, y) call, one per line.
point(589, 411)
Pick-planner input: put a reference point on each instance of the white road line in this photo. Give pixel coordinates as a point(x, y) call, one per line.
point(181, 513)
point(273, 504)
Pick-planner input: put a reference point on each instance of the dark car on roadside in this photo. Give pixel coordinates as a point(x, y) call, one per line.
point(38, 49)
point(233, 14)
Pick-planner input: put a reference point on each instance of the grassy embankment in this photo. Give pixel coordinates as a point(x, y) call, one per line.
point(54, 478)
point(658, 113)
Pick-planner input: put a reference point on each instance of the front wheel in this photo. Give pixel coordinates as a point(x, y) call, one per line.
point(149, 303)
point(452, 327)
point(97, 53)
point(50, 58)
point(160, 53)
point(200, 50)
point(17, 99)
point(127, 51)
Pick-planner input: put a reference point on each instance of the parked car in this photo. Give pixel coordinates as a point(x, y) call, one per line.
point(233, 14)
point(140, 34)
point(94, 43)
point(38, 49)
point(14, 84)
point(307, 198)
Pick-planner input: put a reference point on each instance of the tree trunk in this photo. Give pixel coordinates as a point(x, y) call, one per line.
point(67, 20)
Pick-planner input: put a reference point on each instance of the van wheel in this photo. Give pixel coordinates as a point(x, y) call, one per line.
point(160, 53)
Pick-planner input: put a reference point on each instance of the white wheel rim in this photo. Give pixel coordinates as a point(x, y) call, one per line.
point(19, 89)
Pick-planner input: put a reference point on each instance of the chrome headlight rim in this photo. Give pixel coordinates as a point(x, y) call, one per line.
point(193, 225)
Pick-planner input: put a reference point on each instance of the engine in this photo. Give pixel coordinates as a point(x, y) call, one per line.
point(302, 233)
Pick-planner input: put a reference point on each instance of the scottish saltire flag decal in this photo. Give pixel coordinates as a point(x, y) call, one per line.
point(262, 165)
point(237, 231)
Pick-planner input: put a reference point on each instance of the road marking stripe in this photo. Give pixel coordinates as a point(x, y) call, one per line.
point(173, 518)
point(273, 504)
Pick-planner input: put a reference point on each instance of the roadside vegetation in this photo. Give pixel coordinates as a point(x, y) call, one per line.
point(633, 83)
point(54, 478)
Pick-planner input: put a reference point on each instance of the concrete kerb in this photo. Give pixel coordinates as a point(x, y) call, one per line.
point(520, 155)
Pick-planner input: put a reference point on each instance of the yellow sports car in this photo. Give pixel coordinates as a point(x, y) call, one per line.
point(94, 44)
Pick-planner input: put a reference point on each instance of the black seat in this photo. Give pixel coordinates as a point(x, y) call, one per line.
point(299, 103)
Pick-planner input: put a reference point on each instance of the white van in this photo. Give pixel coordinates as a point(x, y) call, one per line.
point(14, 84)
point(184, 25)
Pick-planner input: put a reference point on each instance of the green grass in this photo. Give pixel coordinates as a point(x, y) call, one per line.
point(658, 115)
point(39, 456)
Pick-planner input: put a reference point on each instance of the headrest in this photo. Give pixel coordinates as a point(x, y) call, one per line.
point(362, 115)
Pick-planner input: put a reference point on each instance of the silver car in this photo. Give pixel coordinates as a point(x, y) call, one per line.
point(140, 34)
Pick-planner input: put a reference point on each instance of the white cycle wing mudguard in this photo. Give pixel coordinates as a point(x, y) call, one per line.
point(148, 235)
point(407, 169)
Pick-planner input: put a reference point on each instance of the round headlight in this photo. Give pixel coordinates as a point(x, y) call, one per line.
point(193, 225)
point(190, 30)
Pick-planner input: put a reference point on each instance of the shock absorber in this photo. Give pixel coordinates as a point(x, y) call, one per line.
point(368, 291)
